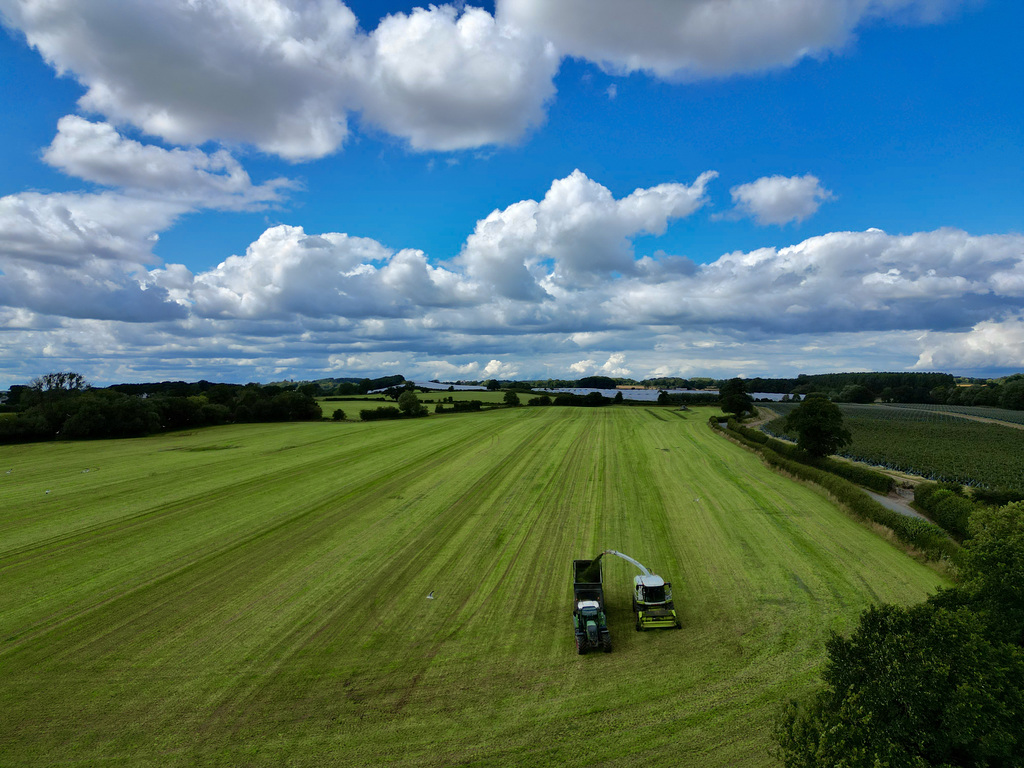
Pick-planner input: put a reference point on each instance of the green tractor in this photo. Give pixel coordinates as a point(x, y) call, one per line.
point(652, 598)
point(590, 625)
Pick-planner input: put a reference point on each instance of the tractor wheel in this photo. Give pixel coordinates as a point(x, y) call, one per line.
point(581, 649)
point(608, 647)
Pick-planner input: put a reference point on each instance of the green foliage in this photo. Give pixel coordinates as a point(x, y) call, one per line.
point(856, 393)
point(338, 415)
point(596, 382)
point(377, 414)
point(933, 443)
point(920, 686)
point(818, 424)
point(542, 400)
point(733, 397)
point(993, 570)
point(937, 684)
point(511, 398)
point(410, 405)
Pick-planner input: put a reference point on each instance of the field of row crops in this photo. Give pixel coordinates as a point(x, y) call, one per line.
point(934, 442)
point(257, 594)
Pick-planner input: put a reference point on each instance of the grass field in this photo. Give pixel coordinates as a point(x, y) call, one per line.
point(256, 595)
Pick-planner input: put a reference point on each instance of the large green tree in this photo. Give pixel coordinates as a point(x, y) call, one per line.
point(937, 684)
point(818, 423)
point(733, 397)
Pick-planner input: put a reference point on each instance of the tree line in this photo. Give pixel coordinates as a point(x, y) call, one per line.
point(64, 406)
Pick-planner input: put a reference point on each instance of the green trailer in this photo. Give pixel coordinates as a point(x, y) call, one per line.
point(590, 624)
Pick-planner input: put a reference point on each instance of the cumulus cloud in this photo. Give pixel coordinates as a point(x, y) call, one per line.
point(285, 75)
point(272, 73)
point(614, 366)
point(449, 81)
point(990, 344)
point(780, 199)
point(580, 227)
point(842, 281)
point(706, 38)
point(96, 152)
point(557, 275)
point(287, 272)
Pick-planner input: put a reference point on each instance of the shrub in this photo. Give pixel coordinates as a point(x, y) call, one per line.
point(376, 414)
point(338, 415)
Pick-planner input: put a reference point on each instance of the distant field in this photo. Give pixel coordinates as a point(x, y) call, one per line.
point(353, 406)
point(932, 442)
point(976, 411)
point(256, 595)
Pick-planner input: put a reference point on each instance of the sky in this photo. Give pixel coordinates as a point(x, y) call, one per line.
point(258, 190)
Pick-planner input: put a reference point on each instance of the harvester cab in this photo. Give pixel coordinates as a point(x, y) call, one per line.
point(652, 598)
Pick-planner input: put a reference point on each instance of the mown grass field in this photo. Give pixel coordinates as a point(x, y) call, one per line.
point(256, 595)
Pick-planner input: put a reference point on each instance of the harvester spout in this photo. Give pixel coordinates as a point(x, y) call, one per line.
point(641, 566)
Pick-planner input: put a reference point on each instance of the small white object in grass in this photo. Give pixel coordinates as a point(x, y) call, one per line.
point(429, 597)
point(47, 490)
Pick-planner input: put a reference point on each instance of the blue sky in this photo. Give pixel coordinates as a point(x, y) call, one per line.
point(289, 188)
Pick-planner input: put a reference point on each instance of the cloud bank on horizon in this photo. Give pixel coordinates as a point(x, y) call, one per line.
point(575, 281)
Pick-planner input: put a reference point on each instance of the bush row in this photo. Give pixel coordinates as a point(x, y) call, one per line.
point(926, 537)
point(879, 482)
point(947, 506)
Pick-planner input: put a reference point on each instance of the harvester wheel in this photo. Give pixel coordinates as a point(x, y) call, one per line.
point(637, 623)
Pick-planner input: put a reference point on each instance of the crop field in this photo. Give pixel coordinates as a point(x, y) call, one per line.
point(934, 443)
point(975, 411)
point(257, 594)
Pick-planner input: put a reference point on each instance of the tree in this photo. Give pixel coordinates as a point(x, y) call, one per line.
point(493, 385)
point(63, 382)
point(618, 397)
point(818, 423)
point(856, 393)
point(410, 405)
point(511, 398)
point(733, 397)
point(936, 684)
point(915, 687)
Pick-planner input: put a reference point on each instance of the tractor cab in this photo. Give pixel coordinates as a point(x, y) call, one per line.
point(588, 608)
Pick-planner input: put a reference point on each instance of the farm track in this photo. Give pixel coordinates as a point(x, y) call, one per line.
point(257, 595)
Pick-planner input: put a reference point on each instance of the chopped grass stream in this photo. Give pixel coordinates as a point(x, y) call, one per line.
point(257, 594)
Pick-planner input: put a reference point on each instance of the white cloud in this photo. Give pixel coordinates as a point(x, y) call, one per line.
point(780, 199)
point(991, 344)
point(284, 75)
point(837, 282)
point(98, 153)
point(273, 73)
point(449, 81)
point(287, 272)
point(580, 227)
point(74, 262)
point(693, 39)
